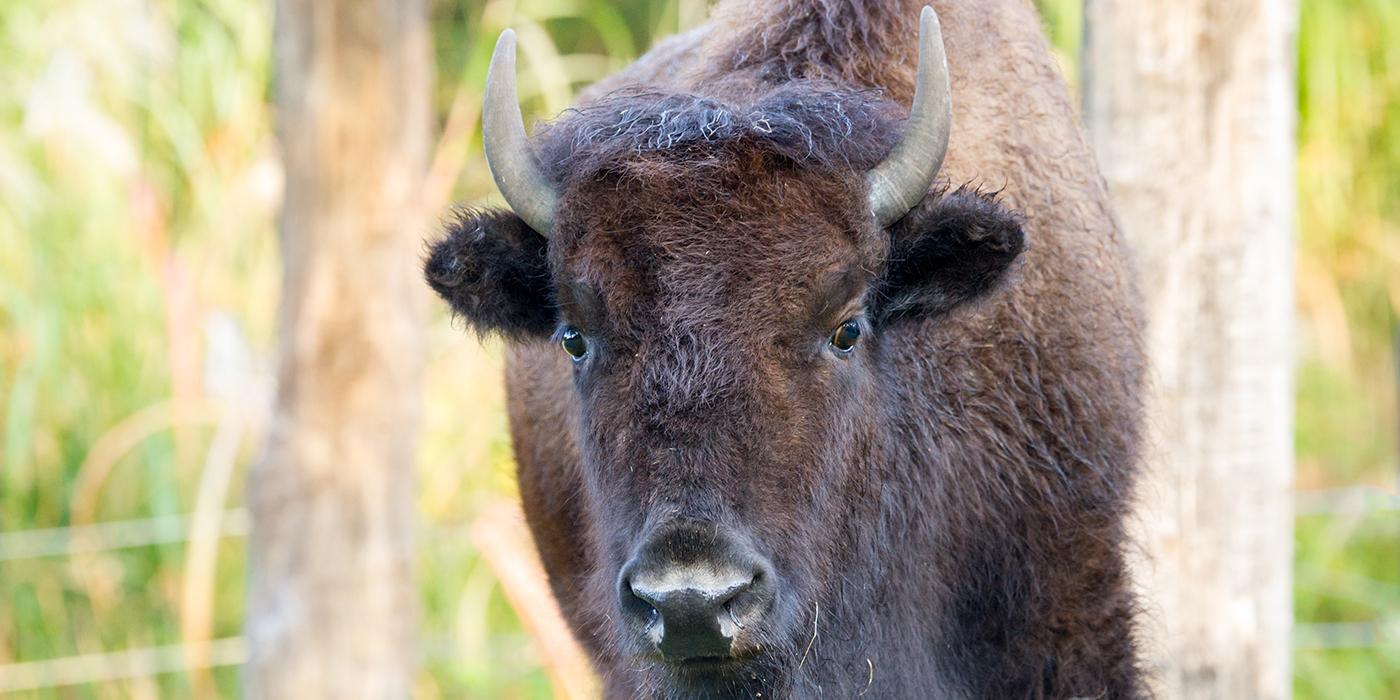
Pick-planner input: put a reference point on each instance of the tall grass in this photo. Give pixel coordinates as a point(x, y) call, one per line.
point(139, 273)
point(1347, 575)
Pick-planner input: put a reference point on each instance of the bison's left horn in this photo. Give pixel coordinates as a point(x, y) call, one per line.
point(902, 180)
point(526, 189)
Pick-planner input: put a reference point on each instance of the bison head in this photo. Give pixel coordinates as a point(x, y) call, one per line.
point(730, 287)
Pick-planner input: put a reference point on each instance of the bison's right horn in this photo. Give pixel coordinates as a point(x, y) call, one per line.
point(526, 189)
point(902, 180)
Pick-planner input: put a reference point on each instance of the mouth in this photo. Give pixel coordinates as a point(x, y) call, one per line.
point(701, 667)
point(716, 677)
point(751, 670)
point(704, 663)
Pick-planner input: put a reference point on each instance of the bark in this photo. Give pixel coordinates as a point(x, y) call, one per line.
point(331, 608)
point(1190, 105)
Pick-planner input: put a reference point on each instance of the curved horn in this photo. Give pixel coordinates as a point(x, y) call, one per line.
point(902, 179)
point(508, 157)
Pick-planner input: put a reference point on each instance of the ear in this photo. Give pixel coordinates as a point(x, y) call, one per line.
point(949, 250)
point(493, 270)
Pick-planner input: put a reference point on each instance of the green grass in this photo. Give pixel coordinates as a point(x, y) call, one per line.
point(1347, 576)
point(138, 191)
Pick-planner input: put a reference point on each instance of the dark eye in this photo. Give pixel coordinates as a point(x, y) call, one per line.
point(574, 343)
point(845, 337)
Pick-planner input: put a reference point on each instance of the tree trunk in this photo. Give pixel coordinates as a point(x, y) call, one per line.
point(1190, 105)
point(331, 608)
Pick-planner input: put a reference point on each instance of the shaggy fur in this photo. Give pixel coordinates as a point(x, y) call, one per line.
point(943, 507)
point(813, 124)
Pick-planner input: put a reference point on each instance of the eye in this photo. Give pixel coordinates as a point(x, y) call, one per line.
point(845, 337)
point(574, 343)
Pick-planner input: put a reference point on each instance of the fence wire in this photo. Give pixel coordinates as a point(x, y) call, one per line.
point(118, 534)
point(120, 665)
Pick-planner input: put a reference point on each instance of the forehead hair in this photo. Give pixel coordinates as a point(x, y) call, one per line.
point(655, 176)
point(812, 125)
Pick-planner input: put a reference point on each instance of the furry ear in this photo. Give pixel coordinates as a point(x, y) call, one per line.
point(493, 270)
point(948, 250)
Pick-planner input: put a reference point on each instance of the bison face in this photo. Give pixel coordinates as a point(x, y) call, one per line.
point(729, 329)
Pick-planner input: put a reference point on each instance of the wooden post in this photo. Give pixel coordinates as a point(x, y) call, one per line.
point(331, 608)
point(1190, 106)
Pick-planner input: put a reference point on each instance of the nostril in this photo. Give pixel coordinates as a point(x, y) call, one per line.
point(642, 595)
point(733, 619)
point(746, 603)
point(637, 602)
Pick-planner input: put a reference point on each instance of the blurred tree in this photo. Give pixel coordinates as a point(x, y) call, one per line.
point(1191, 107)
point(332, 609)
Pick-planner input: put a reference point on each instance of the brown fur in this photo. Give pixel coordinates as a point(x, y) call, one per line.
point(945, 506)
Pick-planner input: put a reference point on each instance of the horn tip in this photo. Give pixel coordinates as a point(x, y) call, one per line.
point(506, 40)
point(502, 58)
point(928, 18)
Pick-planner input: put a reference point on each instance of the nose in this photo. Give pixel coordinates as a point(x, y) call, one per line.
point(690, 617)
point(694, 610)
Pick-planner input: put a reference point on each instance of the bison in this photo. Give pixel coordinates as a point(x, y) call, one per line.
point(801, 407)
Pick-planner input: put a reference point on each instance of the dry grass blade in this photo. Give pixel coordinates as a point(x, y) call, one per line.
point(124, 437)
point(500, 535)
point(201, 559)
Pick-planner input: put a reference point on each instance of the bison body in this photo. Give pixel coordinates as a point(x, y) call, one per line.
point(801, 454)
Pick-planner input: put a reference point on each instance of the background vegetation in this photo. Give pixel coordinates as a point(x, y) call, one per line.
point(138, 279)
